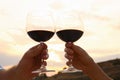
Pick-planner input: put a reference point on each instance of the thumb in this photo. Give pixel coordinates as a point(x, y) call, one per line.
point(78, 50)
point(36, 50)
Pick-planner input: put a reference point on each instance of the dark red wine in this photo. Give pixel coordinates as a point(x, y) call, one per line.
point(69, 35)
point(40, 35)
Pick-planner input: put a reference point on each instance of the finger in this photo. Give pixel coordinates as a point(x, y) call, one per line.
point(44, 45)
point(68, 44)
point(45, 54)
point(69, 57)
point(40, 49)
point(78, 50)
point(36, 50)
point(45, 51)
point(69, 51)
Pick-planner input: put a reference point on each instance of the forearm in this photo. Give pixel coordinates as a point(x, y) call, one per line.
point(96, 73)
point(8, 74)
point(2, 74)
point(11, 73)
point(16, 73)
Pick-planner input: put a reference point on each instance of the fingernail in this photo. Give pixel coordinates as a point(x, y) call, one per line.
point(41, 44)
point(69, 44)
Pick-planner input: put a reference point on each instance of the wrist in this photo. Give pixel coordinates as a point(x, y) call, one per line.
point(10, 73)
point(16, 73)
point(96, 73)
point(23, 73)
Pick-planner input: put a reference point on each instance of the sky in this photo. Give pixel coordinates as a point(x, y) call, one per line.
point(101, 29)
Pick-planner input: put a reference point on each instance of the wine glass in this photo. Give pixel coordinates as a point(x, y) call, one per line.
point(40, 28)
point(69, 29)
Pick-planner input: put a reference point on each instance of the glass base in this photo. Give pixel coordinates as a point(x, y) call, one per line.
point(71, 70)
point(42, 71)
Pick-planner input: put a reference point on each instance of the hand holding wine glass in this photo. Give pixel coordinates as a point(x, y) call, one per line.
point(40, 28)
point(69, 29)
point(84, 62)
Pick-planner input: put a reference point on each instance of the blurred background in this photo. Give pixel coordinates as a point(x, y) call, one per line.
point(101, 29)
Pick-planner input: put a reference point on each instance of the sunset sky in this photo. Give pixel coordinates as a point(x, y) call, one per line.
point(101, 37)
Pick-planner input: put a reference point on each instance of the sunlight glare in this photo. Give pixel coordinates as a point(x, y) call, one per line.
point(57, 47)
point(54, 57)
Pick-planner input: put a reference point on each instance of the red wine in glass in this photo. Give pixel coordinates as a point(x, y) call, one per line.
point(69, 29)
point(69, 35)
point(40, 35)
point(40, 28)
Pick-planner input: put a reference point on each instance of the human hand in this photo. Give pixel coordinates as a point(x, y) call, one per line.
point(81, 59)
point(30, 62)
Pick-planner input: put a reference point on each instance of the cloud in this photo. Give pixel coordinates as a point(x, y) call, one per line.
point(106, 58)
point(6, 60)
point(108, 8)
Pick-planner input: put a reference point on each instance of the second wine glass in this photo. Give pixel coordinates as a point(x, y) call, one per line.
point(40, 28)
point(69, 29)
